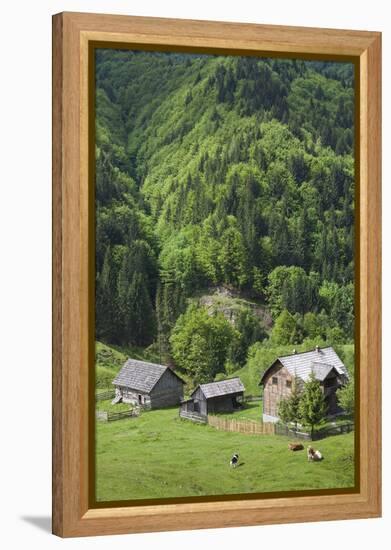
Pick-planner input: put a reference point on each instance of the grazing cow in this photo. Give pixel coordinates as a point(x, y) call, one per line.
point(318, 455)
point(313, 454)
point(234, 461)
point(295, 446)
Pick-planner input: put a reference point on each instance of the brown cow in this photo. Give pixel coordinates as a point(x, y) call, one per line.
point(295, 446)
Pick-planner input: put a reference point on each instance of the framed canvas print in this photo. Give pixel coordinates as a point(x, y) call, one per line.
point(216, 295)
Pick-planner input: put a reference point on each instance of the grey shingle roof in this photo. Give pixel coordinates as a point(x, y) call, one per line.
point(140, 375)
point(224, 387)
point(320, 362)
point(321, 370)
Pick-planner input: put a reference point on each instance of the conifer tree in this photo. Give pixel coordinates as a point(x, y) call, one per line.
point(140, 319)
point(346, 397)
point(106, 300)
point(294, 403)
point(289, 408)
point(284, 330)
point(312, 406)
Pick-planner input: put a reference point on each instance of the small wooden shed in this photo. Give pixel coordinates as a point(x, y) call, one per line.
point(278, 379)
point(215, 397)
point(148, 384)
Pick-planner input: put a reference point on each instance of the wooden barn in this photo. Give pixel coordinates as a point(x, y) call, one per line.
point(278, 379)
point(223, 396)
point(148, 385)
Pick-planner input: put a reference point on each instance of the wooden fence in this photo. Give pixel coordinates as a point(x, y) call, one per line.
point(270, 428)
point(194, 417)
point(101, 415)
point(318, 434)
point(333, 430)
point(102, 396)
point(241, 426)
point(281, 429)
point(106, 416)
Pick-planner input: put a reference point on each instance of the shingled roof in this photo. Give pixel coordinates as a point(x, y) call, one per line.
point(224, 387)
point(321, 370)
point(140, 375)
point(319, 362)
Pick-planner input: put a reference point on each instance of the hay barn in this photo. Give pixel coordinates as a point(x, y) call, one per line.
point(215, 397)
point(148, 385)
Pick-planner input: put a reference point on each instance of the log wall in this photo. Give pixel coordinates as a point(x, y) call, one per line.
point(273, 393)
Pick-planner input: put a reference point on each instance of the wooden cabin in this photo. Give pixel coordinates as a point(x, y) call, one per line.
point(215, 397)
point(148, 385)
point(279, 378)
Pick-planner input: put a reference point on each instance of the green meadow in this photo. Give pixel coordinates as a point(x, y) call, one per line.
point(159, 455)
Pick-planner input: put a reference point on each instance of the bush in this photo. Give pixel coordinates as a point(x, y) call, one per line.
point(201, 343)
point(104, 377)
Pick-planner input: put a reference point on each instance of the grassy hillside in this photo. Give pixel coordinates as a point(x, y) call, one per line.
point(159, 455)
point(109, 360)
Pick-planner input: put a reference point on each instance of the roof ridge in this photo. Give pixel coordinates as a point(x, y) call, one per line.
point(219, 381)
point(303, 352)
point(300, 364)
point(219, 388)
point(146, 363)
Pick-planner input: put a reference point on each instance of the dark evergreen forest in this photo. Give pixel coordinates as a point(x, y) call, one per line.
point(230, 177)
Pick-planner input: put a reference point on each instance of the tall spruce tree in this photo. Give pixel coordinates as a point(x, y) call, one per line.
point(137, 317)
point(289, 408)
point(106, 300)
point(140, 320)
point(312, 403)
point(346, 396)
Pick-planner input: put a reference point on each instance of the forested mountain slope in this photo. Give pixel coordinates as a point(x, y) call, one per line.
point(229, 172)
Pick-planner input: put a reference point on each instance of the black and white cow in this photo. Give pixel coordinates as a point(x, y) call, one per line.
point(234, 461)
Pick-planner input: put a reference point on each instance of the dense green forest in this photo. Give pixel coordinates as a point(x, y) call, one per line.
point(224, 206)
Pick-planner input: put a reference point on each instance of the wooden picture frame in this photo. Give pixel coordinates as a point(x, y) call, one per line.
point(73, 33)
